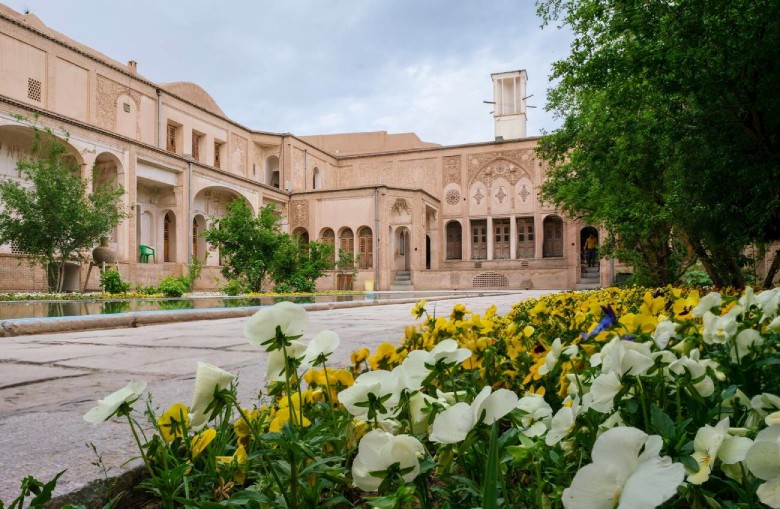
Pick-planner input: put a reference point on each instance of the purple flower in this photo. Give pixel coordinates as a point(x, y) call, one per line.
point(605, 323)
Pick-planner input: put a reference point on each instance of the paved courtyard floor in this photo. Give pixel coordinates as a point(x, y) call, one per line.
point(48, 382)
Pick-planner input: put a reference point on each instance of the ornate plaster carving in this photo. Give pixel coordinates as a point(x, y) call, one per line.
point(299, 214)
point(512, 165)
point(524, 193)
point(400, 207)
point(107, 93)
point(500, 195)
point(451, 166)
point(478, 196)
point(453, 197)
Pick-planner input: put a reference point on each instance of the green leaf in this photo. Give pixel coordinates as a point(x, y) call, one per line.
point(662, 423)
point(490, 487)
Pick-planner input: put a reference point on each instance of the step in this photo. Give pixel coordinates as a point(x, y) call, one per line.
point(587, 286)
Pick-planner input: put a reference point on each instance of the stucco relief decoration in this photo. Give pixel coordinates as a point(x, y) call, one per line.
point(107, 93)
point(238, 159)
point(452, 197)
point(299, 213)
point(512, 165)
point(524, 193)
point(418, 172)
point(451, 165)
point(478, 196)
point(500, 195)
point(400, 207)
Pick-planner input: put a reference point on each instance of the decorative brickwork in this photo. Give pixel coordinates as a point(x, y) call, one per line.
point(238, 150)
point(108, 91)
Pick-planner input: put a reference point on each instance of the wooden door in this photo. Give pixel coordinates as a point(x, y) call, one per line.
point(501, 237)
point(479, 240)
point(525, 238)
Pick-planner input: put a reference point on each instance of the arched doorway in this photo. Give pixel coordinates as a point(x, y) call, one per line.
point(553, 237)
point(272, 171)
point(199, 248)
point(169, 237)
point(586, 258)
point(403, 248)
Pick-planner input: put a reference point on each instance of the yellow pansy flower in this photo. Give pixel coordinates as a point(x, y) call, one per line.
point(283, 416)
point(201, 440)
point(385, 353)
point(359, 356)
point(174, 422)
point(237, 462)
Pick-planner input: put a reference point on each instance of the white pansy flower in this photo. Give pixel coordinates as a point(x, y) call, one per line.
point(707, 302)
point(378, 450)
point(602, 392)
point(537, 415)
point(578, 385)
point(714, 442)
point(705, 387)
point(449, 352)
point(769, 302)
point(324, 343)
point(290, 318)
point(562, 422)
point(556, 350)
point(452, 425)
point(412, 372)
point(628, 357)
point(744, 343)
point(760, 406)
point(380, 383)
point(420, 418)
point(719, 329)
point(627, 472)
point(107, 406)
point(664, 331)
point(774, 326)
point(763, 460)
point(208, 378)
point(275, 370)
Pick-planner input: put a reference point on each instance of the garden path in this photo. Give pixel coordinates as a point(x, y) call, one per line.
point(47, 382)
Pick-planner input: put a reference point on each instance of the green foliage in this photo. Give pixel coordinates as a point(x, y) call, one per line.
point(39, 491)
point(54, 219)
point(173, 286)
point(256, 252)
point(111, 282)
point(696, 277)
point(234, 287)
point(663, 104)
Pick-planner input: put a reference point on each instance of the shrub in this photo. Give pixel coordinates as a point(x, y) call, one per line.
point(111, 282)
point(234, 287)
point(172, 286)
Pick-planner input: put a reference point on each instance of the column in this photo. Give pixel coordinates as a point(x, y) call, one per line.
point(512, 238)
point(490, 238)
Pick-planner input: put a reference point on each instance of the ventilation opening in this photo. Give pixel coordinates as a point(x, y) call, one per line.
point(34, 89)
point(490, 280)
point(15, 249)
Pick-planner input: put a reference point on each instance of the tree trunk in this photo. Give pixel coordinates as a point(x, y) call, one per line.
point(770, 274)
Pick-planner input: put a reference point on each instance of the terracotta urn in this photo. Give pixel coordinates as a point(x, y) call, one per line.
point(103, 253)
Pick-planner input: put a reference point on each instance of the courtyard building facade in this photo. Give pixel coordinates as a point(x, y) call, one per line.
point(419, 215)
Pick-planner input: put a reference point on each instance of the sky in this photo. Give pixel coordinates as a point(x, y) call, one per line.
point(330, 66)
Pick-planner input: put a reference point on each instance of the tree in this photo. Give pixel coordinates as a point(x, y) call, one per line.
point(670, 109)
point(255, 251)
point(246, 243)
point(50, 217)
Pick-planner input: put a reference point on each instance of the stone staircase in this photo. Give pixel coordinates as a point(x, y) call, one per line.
point(589, 278)
point(402, 282)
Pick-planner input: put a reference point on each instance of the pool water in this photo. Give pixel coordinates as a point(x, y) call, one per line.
point(47, 309)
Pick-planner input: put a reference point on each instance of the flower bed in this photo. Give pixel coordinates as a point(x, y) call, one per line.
point(628, 398)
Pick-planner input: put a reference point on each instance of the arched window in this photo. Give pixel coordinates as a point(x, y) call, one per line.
point(301, 236)
point(328, 237)
point(553, 237)
point(347, 241)
point(366, 247)
point(195, 233)
point(316, 180)
point(454, 241)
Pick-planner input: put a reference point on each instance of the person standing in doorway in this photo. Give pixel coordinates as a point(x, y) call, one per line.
point(591, 246)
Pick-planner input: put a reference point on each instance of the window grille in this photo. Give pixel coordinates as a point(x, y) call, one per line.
point(490, 280)
point(196, 146)
point(34, 89)
point(217, 160)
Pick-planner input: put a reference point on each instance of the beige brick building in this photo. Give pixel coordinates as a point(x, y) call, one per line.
point(421, 216)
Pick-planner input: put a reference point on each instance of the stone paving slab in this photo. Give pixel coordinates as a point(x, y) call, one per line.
point(41, 427)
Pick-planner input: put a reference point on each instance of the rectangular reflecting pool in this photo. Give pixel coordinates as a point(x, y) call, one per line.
point(58, 308)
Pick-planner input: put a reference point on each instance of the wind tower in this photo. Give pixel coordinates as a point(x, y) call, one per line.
point(510, 97)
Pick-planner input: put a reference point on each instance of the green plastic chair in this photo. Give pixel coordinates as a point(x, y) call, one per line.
point(146, 252)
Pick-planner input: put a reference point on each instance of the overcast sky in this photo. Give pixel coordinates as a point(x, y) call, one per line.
point(328, 66)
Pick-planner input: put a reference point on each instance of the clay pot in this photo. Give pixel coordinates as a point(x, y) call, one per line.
point(103, 253)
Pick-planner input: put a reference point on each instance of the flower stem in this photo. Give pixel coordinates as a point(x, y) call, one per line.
point(140, 447)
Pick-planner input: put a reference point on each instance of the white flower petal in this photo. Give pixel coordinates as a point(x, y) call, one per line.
point(652, 483)
point(207, 379)
point(496, 406)
point(595, 486)
point(769, 493)
point(291, 318)
point(452, 425)
point(108, 405)
point(734, 449)
point(763, 457)
point(324, 343)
